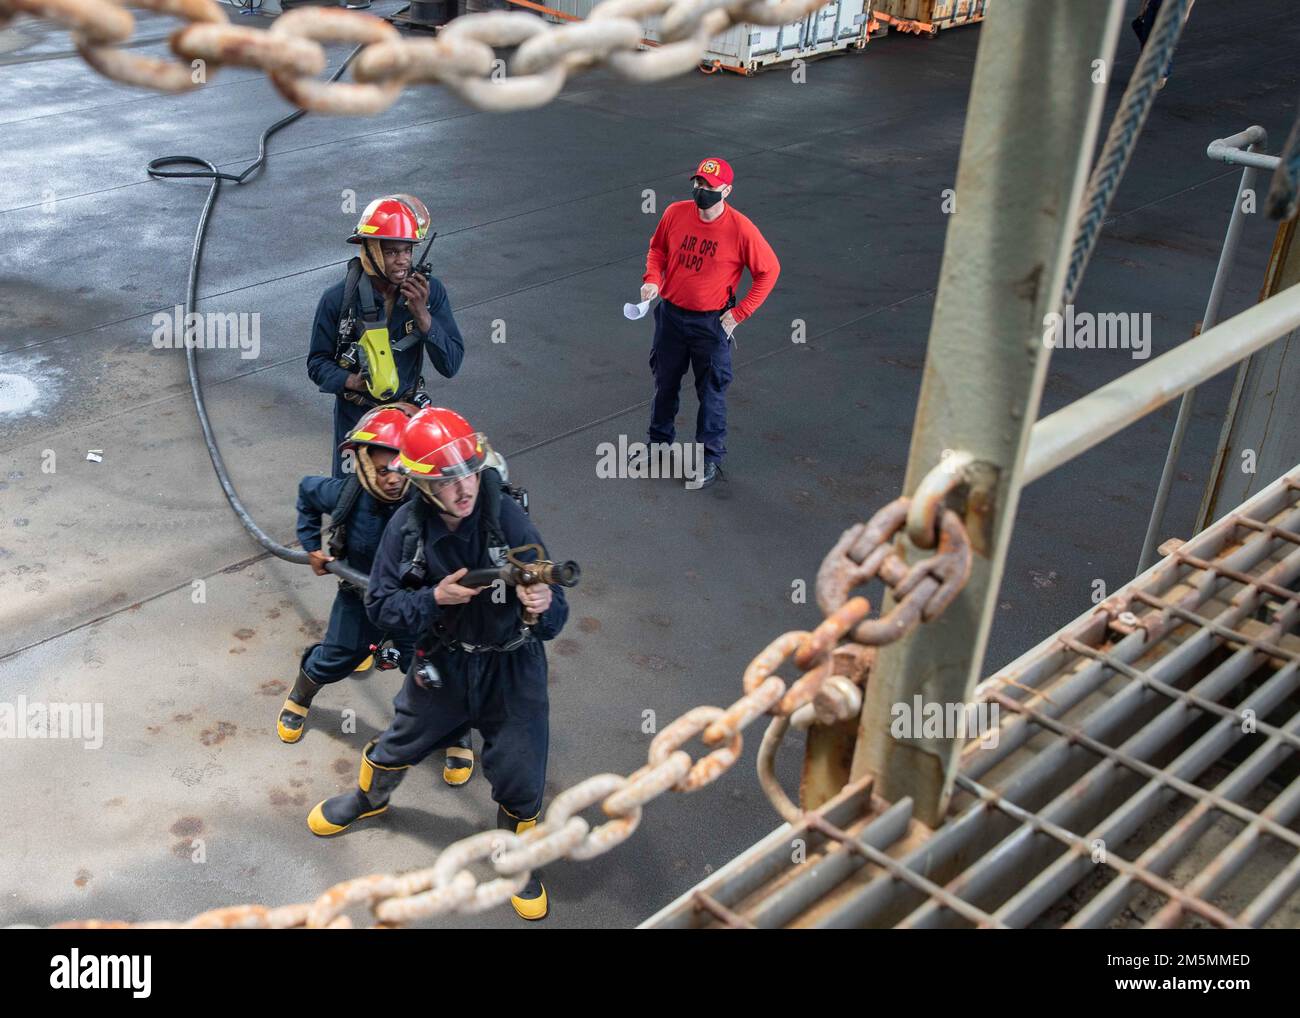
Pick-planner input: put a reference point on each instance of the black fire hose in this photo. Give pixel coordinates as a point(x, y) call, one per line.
point(210, 172)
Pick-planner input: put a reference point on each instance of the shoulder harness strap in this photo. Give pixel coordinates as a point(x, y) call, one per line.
point(336, 538)
point(414, 568)
point(490, 488)
point(347, 322)
point(370, 309)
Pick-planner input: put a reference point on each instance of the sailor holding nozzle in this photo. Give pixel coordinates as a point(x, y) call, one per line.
point(478, 659)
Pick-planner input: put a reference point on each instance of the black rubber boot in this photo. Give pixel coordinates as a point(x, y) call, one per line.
point(458, 765)
point(375, 784)
point(530, 903)
point(293, 715)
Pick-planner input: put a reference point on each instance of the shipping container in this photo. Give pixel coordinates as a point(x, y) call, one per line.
point(927, 17)
point(840, 25)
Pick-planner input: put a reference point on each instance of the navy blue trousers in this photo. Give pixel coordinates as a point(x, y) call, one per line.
point(691, 339)
point(347, 641)
point(504, 696)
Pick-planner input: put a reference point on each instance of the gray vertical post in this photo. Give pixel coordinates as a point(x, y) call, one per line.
point(1031, 128)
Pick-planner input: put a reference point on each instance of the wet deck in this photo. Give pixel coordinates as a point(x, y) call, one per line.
point(540, 226)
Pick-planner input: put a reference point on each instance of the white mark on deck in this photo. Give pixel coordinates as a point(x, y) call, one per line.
point(18, 393)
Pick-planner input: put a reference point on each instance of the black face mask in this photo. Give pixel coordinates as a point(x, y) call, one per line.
point(704, 198)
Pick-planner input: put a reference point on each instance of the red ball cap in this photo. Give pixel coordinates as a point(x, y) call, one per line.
point(716, 172)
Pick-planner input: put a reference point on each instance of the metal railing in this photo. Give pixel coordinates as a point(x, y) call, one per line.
point(1241, 149)
point(1089, 421)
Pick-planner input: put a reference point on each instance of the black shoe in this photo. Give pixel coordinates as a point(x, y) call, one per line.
point(711, 473)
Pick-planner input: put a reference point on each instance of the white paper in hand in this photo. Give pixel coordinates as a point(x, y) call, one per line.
point(634, 311)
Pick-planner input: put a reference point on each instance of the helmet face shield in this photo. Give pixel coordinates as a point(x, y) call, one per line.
point(422, 217)
point(440, 447)
point(439, 469)
point(433, 490)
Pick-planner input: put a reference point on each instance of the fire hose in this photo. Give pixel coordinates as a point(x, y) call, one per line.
point(209, 171)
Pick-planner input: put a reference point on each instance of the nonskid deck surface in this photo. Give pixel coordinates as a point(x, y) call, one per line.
point(540, 227)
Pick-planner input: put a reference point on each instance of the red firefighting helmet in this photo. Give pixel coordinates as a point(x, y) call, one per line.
point(440, 445)
point(382, 426)
point(417, 207)
point(393, 217)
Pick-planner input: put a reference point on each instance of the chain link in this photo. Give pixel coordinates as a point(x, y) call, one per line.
point(922, 591)
point(828, 691)
point(322, 24)
point(142, 71)
point(461, 57)
point(588, 793)
point(451, 866)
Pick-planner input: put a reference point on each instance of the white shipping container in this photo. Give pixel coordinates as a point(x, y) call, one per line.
point(930, 16)
point(840, 25)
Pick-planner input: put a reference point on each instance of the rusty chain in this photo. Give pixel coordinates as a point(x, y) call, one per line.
point(461, 56)
point(834, 660)
point(830, 691)
point(922, 591)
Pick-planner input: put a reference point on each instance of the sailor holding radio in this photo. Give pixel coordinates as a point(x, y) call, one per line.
point(372, 327)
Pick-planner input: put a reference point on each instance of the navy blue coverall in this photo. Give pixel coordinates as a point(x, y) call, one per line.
point(501, 693)
point(1142, 25)
point(691, 339)
point(350, 633)
point(443, 341)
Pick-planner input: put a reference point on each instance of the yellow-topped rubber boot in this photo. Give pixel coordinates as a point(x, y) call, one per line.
point(293, 715)
point(530, 903)
point(375, 784)
point(458, 765)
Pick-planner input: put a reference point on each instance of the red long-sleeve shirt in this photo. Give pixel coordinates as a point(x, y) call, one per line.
point(694, 262)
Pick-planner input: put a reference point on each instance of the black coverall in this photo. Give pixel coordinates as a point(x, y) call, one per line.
point(501, 693)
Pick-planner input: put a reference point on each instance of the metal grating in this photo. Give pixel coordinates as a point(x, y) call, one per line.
point(1145, 773)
